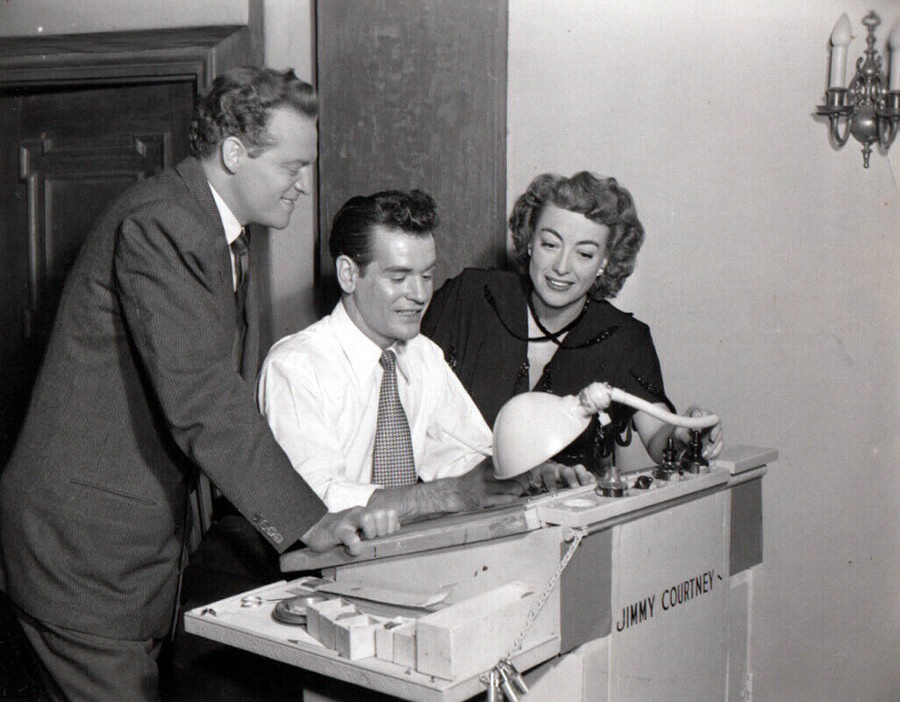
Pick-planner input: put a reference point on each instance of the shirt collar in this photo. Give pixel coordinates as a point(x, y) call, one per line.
point(361, 351)
point(230, 223)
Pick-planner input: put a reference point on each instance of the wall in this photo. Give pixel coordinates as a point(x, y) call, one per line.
point(31, 17)
point(770, 277)
point(289, 43)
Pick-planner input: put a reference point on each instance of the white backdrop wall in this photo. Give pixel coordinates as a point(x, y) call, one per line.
point(770, 276)
point(35, 17)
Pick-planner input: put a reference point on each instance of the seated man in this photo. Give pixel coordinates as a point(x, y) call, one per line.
point(365, 407)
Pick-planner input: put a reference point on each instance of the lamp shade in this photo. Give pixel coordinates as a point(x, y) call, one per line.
point(533, 427)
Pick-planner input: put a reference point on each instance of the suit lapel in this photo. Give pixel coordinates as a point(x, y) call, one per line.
point(246, 348)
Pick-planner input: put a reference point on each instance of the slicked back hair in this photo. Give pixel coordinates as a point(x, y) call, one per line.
point(353, 226)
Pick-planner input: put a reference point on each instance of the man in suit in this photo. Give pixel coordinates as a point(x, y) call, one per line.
point(148, 379)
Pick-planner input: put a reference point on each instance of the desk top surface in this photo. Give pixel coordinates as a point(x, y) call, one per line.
point(574, 508)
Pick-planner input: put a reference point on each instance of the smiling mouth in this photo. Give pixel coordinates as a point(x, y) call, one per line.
point(559, 285)
point(410, 314)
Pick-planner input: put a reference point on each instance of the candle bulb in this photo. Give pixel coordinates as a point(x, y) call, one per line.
point(894, 44)
point(840, 39)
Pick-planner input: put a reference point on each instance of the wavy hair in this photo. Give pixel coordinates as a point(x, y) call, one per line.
point(601, 200)
point(240, 103)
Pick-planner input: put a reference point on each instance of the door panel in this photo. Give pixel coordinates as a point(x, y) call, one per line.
point(68, 182)
point(77, 148)
point(413, 95)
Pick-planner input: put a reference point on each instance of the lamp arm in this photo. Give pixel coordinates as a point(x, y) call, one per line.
point(625, 398)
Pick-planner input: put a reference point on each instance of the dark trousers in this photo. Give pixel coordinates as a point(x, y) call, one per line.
point(79, 667)
point(19, 676)
point(232, 558)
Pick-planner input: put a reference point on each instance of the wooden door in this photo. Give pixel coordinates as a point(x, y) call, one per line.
point(73, 150)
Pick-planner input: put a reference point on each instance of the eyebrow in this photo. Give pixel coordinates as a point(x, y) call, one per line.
point(407, 269)
point(589, 242)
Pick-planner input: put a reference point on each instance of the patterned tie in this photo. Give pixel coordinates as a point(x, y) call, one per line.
point(392, 460)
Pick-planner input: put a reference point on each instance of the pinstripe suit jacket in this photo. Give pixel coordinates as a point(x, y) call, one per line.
point(138, 391)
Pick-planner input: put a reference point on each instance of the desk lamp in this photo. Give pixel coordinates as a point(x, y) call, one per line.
point(534, 426)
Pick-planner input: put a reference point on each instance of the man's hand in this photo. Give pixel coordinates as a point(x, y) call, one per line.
point(479, 488)
point(345, 527)
point(476, 489)
point(551, 475)
point(713, 439)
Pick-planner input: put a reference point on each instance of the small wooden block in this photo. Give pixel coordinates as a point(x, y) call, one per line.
point(354, 638)
point(384, 637)
point(404, 639)
point(314, 614)
point(470, 636)
point(329, 618)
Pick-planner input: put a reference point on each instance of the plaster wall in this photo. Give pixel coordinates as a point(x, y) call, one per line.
point(33, 17)
point(770, 277)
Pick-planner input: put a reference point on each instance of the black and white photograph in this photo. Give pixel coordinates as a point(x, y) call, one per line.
point(449, 350)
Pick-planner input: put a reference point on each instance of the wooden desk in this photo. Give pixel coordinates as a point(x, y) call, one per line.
point(652, 606)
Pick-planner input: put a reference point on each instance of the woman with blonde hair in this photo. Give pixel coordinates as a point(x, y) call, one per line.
point(551, 327)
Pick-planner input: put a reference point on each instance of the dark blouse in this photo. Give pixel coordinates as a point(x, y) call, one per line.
point(480, 320)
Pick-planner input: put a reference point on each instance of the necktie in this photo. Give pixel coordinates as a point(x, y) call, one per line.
point(241, 250)
point(392, 460)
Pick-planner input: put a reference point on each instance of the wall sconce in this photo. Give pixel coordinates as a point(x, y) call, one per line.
point(869, 108)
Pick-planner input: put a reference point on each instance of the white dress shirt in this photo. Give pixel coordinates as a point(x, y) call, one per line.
point(319, 389)
point(231, 225)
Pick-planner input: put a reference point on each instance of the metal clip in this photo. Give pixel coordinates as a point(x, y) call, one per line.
point(514, 675)
point(509, 690)
point(493, 686)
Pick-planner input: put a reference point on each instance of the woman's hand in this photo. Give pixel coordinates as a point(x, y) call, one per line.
point(595, 397)
point(712, 439)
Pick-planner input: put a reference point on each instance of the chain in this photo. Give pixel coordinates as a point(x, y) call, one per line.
point(536, 608)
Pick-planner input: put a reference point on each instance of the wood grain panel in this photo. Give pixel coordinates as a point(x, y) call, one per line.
point(69, 182)
point(413, 95)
